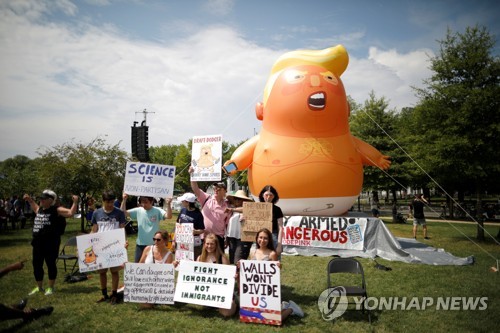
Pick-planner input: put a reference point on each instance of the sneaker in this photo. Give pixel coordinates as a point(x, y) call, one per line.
point(296, 309)
point(36, 290)
point(113, 300)
point(49, 291)
point(426, 238)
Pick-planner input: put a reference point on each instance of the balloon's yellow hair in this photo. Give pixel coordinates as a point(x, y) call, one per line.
point(334, 59)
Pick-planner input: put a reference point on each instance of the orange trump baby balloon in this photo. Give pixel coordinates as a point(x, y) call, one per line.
point(305, 148)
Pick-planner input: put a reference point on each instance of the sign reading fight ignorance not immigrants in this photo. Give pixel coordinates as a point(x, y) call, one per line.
point(150, 180)
point(101, 250)
point(205, 284)
point(206, 158)
point(149, 283)
point(184, 240)
point(327, 232)
point(257, 215)
point(260, 292)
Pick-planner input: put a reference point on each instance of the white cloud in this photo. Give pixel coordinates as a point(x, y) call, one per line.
point(60, 82)
point(389, 74)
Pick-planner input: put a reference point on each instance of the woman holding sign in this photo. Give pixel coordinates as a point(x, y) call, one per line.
point(191, 214)
point(269, 194)
point(265, 251)
point(157, 254)
point(212, 253)
point(148, 219)
point(237, 248)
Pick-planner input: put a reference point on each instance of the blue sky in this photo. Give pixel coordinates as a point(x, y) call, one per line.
point(75, 70)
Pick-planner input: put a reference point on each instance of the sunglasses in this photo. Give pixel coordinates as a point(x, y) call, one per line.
point(157, 239)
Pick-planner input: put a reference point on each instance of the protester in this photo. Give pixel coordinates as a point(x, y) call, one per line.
point(18, 311)
point(212, 253)
point(375, 208)
point(418, 205)
point(214, 209)
point(191, 214)
point(47, 236)
point(237, 249)
point(157, 254)
point(148, 219)
point(107, 218)
point(265, 251)
point(269, 194)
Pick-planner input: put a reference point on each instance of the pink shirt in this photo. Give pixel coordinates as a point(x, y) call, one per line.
point(214, 214)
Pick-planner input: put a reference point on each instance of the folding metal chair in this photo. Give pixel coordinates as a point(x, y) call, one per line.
point(356, 289)
point(69, 252)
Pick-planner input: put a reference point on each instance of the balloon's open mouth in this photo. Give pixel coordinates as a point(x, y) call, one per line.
point(317, 101)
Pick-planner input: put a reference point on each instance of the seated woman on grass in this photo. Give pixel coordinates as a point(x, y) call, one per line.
point(265, 250)
point(212, 253)
point(157, 254)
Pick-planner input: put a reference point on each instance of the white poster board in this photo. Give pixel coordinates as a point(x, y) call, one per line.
point(206, 158)
point(150, 180)
point(101, 250)
point(325, 232)
point(205, 284)
point(149, 283)
point(184, 241)
point(260, 292)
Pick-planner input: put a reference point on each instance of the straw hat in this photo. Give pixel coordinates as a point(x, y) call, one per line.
point(240, 194)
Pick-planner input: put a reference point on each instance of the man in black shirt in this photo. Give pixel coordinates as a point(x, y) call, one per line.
point(418, 215)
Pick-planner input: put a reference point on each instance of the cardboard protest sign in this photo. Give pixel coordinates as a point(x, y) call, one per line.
point(260, 292)
point(205, 284)
point(149, 283)
point(206, 158)
point(150, 180)
point(184, 240)
point(257, 215)
point(326, 232)
point(101, 250)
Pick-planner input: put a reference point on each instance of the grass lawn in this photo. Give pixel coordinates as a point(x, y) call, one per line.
point(303, 280)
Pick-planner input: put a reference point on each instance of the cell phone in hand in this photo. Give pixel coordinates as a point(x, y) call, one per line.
point(230, 167)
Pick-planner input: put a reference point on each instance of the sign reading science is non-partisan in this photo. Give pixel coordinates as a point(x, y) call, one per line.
point(151, 180)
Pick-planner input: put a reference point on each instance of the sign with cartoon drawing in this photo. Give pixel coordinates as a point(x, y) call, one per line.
point(206, 158)
point(101, 250)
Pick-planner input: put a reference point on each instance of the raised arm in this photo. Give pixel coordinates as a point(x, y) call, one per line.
point(123, 205)
point(167, 207)
point(65, 212)
point(33, 204)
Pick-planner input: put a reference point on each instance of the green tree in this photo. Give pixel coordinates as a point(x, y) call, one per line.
point(83, 169)
point(457, 121)
point(374, 124)
point(18, 176)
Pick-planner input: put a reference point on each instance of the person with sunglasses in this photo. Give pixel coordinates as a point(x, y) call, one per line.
point(106, 218)
point(158, 253)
